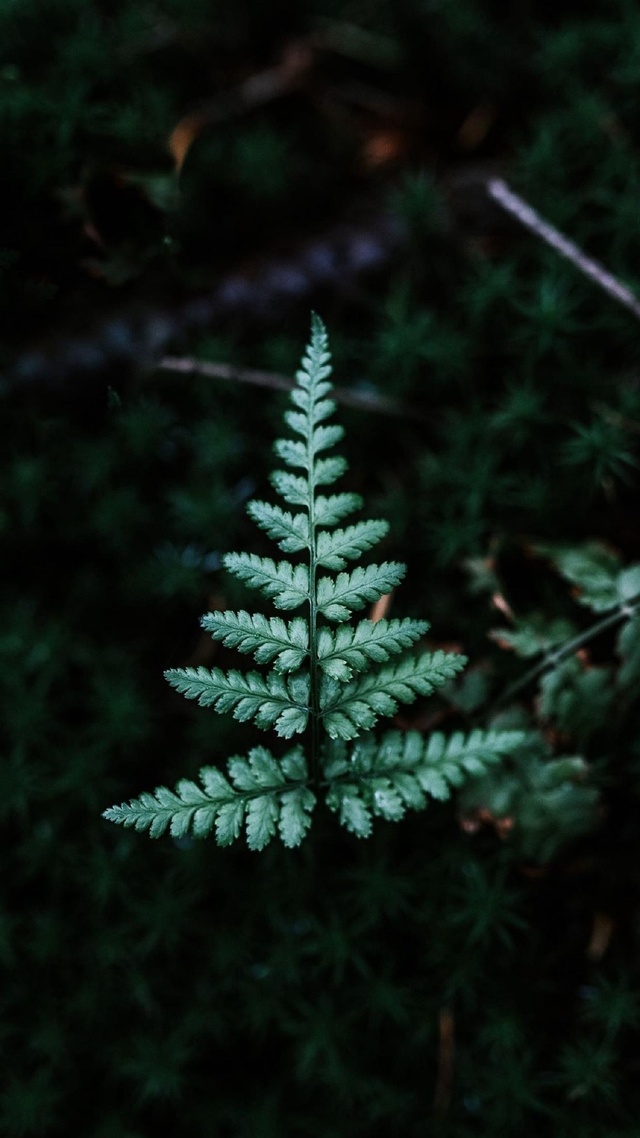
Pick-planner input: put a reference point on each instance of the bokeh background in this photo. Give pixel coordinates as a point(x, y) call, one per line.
point(183, 180)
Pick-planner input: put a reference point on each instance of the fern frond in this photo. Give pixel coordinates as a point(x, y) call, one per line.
point(291, 531)
point(293, 488)
point(402, 770)
point(335, 547)
point(348, 710)
point(296, 490)
point(351, 649)
point(315, 363)
point(265, 637)
point(271, 700)
point(298, 454)
point(318, 675)
point(328, 511)
point(288, 585)
point(336, 597)
point(260, 791)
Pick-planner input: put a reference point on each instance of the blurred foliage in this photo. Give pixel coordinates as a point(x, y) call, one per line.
point(435, 979)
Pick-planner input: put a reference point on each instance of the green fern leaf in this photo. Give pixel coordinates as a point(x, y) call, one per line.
point(296, 489)
point(336, 597)
point(259, 771)
point(348, 710)
point(293, 453)
point(327, 470)
point(229, 819)
point(271, 701)
point(441, 762)
point(265, 637)
point(351, 649)
point(628, 649)
point(592, 568)
point(354, 814)
point(329, 511)
point(317, 674)
point(292, 487)
point(262, 818)
point(335, 547)
point(300, 454)
point(402, 770)
point(291, 531)
point(295, 815)
point(288, 585)
point(261, 796)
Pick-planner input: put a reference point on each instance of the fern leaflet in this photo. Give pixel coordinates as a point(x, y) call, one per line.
point(265, 637)
point(348, 710)
point(335, 548)
point(337, 597)
point(350, 649)
point(271, 701)
point(288, 585)
point(401, 771)
point(265, 793)
point(291, 531)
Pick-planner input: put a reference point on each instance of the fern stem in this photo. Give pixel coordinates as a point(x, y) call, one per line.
point(623, 611)
point(314, 700)
point(314, 714)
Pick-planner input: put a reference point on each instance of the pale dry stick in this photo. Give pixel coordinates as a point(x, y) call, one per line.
point(379, 404)
point(533, 221)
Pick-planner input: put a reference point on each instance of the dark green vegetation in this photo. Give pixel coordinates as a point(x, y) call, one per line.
point(473, 969)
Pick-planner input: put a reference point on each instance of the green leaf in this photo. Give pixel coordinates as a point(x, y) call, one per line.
point(327, 470)
point(293, 488)
point(329, 511)
point(593, 568)
point(261, 820)
point(349, 648)
point(287, 584)
point(533, 635)
point(270, 700)
point(295, 815)
point(402, 769)
point(291, 531)
point(294, 765)
point(301, 454)
point(265, 793)
point(336, 597)
point(293, 453)
point(334, 548)
point(229, 822)
point(354, 815)
point(265, 637)
point(386, 800)
point(258, 771)
point(628, 648)
point(350, 709)
point(628, 583)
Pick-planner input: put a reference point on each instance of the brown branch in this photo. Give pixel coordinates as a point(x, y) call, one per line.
point(446, 1056)
point(379, 404)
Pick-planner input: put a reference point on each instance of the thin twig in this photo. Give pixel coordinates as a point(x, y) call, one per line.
point(533, 221)
point(623, 611)
point(379, 404)
point(446, 1056)
point(255, 91)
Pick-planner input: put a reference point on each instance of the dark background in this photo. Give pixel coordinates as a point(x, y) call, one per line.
point(190, 178)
